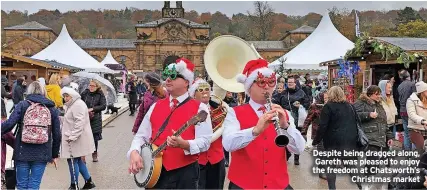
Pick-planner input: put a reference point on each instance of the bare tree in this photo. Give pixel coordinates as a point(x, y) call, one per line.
point(262, 20)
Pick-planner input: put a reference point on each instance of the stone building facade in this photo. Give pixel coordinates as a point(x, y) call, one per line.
point(157, 43)
point(27, 39)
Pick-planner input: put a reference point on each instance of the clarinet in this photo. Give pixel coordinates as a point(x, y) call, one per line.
point(282, 138)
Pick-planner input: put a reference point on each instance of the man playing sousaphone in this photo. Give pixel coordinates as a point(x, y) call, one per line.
point(257, 162)
point(180, 167)
point(212, 164)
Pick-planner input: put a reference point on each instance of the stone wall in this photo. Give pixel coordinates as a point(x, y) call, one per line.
point(25, 47)
point(272, 55)
point(42, 35)
point(153, 56)
point(130, 55)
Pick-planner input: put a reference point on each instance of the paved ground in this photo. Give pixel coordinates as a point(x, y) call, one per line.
point(111, 170)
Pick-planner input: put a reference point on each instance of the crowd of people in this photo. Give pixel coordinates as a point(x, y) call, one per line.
point(70, 125)
point(51, 122)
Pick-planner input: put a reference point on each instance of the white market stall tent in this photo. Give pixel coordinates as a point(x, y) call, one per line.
point(324, 44)
point(109, 59)
point(64, 50)
point(111, 63)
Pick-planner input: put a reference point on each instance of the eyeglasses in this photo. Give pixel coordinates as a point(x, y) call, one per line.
point(172, 76)
point(203, 89)
point(263, 81)
point(171, 73)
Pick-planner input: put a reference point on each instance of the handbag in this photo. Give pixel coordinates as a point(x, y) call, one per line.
point(362, 139)
point(10, 177)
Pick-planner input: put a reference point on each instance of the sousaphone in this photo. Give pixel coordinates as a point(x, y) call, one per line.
point(225, 57)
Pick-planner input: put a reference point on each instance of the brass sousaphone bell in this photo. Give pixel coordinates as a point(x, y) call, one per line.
point(225, 57)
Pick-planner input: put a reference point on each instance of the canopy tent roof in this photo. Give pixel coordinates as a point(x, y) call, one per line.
point(111, 63)
point(325, 43)
point(66, 51)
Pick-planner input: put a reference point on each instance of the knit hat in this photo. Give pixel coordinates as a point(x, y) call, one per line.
point(195, 85)
point(153, 78)
point(71, 92)
point(184, 67)
point(421, 87)
point(251, 70)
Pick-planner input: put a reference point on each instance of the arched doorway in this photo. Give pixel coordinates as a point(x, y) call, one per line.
point(170, 59)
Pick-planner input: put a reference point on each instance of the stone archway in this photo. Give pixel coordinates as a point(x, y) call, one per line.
point(169, 59)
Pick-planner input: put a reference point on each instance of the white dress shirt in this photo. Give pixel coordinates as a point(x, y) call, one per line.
point(203, 131)
point(234, 139)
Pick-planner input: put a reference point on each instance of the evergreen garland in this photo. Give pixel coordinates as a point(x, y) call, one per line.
point(367, 45)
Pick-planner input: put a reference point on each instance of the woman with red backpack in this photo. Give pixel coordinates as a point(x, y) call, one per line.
point(33, 152)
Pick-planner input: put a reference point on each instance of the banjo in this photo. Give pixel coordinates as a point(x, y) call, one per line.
point(152, 156)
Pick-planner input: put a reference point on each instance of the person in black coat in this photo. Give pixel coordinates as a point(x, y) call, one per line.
point(133, 95)
point(34, 156)
point(18, 91)
point(96, 103)
point(230, 100)
point(291, 99)
point(277, 93)
point(337, 128)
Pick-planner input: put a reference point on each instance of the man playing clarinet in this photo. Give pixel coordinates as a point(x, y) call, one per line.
point(256, 161)
point(180, 167)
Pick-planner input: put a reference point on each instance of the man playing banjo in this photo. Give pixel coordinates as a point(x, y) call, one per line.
point(257, 162)
point(212, 163)
point(180, 167)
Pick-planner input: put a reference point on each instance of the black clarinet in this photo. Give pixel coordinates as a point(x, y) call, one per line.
point(282, 138)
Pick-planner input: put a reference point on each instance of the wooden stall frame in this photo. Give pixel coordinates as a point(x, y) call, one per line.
point(21, 69)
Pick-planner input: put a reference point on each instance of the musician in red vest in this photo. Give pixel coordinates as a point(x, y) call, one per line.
point(256, 161)
point(212, 163)
point(180, 167)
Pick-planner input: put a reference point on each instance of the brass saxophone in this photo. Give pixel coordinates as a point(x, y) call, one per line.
point(283, 137)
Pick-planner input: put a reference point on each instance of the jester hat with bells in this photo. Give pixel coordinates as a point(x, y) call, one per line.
point(183, 67)
point(257, 70)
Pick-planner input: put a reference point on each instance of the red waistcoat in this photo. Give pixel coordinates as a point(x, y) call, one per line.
point(261, 164)
point(174, 158)
point(215, 153)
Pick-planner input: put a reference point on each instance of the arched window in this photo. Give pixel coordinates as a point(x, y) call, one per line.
point(123, 59)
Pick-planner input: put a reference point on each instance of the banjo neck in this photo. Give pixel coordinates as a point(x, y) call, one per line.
point(164, 144)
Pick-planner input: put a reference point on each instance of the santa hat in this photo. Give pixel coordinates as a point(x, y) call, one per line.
point(195, 85)
point(185, 68)
point(250, 73)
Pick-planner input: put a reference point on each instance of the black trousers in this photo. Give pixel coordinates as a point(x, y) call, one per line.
point(132, 108)
point(227, 156)
point(212, 176)
point(234, 186)
point(186, 177)
point(332, 177)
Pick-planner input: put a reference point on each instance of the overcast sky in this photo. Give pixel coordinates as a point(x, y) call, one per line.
point(229, 8)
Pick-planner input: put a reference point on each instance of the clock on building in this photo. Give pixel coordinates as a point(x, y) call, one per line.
point(169, 12)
